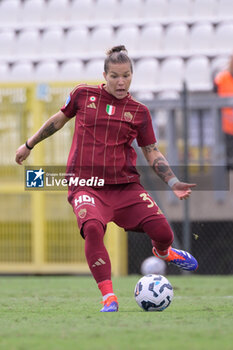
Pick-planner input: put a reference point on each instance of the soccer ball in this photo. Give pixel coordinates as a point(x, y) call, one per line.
point(153, 265)
point(153, 293)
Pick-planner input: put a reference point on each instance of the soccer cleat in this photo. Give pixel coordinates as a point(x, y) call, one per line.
point(180, 258)
point(110, 304)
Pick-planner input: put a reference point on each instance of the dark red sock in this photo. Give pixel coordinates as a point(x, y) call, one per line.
point(160, 233)
point(96, 253)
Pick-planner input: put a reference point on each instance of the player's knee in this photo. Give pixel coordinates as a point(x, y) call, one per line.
point(93, 229)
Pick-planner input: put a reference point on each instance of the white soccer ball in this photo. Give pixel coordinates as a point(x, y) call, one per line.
point(153, 293)
point(153, 265)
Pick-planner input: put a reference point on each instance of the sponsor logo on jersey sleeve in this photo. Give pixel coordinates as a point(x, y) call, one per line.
point(68, 101)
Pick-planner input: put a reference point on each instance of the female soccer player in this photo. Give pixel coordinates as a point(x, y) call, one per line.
point(108, 119)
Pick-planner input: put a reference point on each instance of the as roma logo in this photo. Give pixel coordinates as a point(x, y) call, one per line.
point(128, 116)
point(82, 213)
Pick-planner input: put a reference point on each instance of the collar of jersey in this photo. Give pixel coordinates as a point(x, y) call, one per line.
point(119, 100)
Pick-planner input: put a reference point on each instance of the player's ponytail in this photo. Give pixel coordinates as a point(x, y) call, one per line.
point(117, 54)
point(120, 48)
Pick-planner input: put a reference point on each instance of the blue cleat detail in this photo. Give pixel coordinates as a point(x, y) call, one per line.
point(180, 258)
point(110, 304)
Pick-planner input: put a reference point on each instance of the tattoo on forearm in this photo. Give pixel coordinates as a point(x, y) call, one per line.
point(162, 169)
point(48, 131)
point(150, 148)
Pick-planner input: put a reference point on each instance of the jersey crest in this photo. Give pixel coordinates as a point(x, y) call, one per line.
point(128, 116)
point(110, 109)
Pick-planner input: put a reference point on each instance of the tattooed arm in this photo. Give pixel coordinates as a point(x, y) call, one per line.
point(53, 124)
point(157, 161)
point(161, 167)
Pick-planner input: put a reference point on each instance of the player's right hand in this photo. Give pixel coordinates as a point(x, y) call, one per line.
point(21, 154)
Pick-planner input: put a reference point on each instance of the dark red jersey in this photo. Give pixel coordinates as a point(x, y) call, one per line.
point(105, 128)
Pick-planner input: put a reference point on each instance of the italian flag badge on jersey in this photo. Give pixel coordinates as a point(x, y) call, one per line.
point(110, 109)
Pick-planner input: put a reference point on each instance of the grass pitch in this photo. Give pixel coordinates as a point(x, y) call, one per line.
point(62, 313)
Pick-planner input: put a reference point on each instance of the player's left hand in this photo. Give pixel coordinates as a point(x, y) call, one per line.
point(182, 190)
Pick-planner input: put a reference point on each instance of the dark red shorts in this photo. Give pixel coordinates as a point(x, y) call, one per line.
point(128, 205)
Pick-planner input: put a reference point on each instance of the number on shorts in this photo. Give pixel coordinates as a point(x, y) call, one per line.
point(145, 197)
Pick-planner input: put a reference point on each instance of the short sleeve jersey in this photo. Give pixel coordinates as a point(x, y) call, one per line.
point(105, 128)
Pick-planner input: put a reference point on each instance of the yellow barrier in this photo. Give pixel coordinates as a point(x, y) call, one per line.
point(38, 230)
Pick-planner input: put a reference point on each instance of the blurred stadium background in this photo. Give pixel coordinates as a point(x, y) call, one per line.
point(47, 47)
